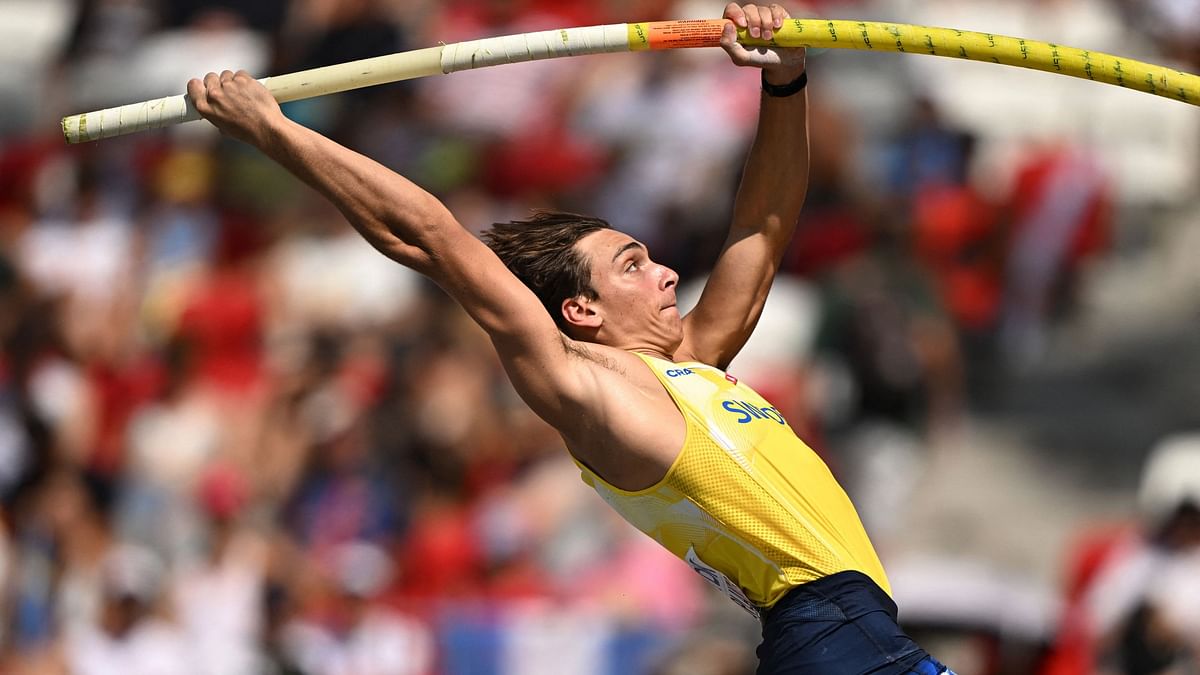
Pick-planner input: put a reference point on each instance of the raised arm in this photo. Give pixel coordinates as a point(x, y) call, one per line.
point(768, 200)
point(410, 226)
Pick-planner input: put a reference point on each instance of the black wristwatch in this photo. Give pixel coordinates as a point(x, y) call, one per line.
point(784, 90)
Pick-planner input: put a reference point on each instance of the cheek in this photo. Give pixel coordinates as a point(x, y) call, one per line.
point(625, 291)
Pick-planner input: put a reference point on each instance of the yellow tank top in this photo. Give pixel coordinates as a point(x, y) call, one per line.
point(746, 503)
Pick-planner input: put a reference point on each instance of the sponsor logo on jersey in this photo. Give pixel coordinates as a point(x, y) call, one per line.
point(748, 412)
point(679, 372)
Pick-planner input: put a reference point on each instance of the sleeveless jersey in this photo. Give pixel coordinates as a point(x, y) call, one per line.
point(746, 503)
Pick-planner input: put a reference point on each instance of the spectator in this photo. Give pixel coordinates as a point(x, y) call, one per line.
point(355, 635)
point(217, 596)
point(128, 638)
point(1134, 595)
point(1060, 217)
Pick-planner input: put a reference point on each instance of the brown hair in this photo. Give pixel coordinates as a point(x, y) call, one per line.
point(541, 253)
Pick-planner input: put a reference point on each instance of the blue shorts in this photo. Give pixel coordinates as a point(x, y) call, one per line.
point(843, 624)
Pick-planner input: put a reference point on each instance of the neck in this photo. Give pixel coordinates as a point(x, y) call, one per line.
point(647, 347)
point(654, 352)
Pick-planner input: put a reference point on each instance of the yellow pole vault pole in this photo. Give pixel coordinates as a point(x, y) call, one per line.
point(817, 33)
point(948, 42)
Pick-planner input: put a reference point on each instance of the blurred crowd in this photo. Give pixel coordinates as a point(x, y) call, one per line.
point(235, 439)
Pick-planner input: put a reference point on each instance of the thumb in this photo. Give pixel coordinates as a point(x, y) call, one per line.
point(729, 41)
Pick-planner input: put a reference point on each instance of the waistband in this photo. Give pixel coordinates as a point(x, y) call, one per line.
point(839, 596)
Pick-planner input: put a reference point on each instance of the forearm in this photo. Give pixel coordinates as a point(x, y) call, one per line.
point(396, 216)
point(775, 179)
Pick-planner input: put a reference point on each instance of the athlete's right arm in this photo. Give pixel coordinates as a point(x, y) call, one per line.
point(412, 227)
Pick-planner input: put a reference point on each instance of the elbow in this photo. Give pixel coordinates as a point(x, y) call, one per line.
point(413, 257)
point(426, 225)
point(419, 228)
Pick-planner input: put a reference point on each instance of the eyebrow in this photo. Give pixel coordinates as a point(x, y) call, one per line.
point(626, 247)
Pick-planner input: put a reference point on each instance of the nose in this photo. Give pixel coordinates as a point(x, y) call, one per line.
point(669, 278)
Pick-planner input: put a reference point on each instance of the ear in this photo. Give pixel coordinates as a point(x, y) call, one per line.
point(579, 311)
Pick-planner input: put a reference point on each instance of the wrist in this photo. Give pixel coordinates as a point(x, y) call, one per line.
point(782, 75)
point(786, 89)
point(273, 131)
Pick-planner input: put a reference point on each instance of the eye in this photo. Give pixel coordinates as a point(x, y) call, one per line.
point(631, 266)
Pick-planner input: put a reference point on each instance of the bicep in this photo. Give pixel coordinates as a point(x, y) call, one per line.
point(732, 300)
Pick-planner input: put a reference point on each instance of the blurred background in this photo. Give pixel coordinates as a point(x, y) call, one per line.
point(234, 439)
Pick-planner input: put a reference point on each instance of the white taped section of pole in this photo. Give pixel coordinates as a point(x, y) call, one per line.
point(127, 119)
point(547, 44)
point(177, 109)
point(363, 73)
point(356, 74)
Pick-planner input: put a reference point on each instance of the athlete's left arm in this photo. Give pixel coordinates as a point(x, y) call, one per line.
point(767, 204)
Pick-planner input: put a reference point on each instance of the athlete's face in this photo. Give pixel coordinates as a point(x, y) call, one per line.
point(636, 307)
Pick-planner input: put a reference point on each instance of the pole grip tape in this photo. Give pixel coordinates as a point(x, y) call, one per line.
point(170, 110)
point(535, 46)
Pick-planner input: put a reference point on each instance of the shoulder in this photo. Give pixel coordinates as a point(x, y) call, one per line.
point(627, 365)
point(613, 376)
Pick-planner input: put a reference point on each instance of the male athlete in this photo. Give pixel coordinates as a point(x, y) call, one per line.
point(586, 326)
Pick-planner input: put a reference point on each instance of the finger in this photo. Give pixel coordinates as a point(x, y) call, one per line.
point(780, 14)
point(242, 75)
point(733, 11)
point(195, 91)
point(753, 20)
point(212, 89)
point(226, 75)
point(772, 18)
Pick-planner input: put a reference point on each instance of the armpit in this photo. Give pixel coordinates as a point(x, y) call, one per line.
point(580, 350)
